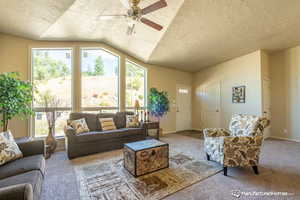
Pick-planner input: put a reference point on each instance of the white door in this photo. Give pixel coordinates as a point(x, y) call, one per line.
point(266, 104)
point(210, 106)
point(183, 108)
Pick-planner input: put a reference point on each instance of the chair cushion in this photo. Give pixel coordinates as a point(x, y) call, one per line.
point(34, 178)
point(23, 165)
point(102, 135)
point(243, 125)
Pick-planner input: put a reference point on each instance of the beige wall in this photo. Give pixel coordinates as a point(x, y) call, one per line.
point(14, 56)
point(244, 70)
point(285, 93)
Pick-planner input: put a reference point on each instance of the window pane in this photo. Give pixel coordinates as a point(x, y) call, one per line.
point(135, 84)
point(100, 78)
point(52, 78)
point(52, 70)
point(61, 122)
point(41, 125)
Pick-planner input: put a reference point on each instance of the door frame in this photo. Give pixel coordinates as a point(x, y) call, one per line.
point(190, 110)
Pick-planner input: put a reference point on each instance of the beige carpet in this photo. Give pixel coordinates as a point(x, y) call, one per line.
point(108, 180)
point(279, 172)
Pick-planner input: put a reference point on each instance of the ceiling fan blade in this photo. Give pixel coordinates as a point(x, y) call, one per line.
point(151, 24)
point(126, 3)
point(158, 5)
point(108, 17)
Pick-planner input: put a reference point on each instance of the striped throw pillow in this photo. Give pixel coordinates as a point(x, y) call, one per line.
point(107, 124)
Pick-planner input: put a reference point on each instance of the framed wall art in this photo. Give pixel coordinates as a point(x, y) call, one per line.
point(239, 94)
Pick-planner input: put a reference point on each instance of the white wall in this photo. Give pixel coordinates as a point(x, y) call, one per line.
point(14, 56)
point(244, 70)
point(285, 93)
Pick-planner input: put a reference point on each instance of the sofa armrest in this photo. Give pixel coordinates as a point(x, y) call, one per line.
point(17, 192)
point(69, 131)
point(32, 147)
point(215, 132)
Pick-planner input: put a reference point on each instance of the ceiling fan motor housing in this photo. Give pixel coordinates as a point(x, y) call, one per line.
point(134, 13)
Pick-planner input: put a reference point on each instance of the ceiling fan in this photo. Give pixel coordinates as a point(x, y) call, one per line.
point(135, 14)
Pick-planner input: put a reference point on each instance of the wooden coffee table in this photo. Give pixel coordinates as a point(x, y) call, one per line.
point(145, 156)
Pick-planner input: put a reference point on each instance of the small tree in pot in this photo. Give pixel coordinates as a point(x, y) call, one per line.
point(159, 103)
point(15, 98)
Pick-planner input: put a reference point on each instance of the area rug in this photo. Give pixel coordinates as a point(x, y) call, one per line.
point(108, 180)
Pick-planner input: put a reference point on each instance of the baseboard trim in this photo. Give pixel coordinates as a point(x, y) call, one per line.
point(168, 132)
point(281, 138)
point(192, 129)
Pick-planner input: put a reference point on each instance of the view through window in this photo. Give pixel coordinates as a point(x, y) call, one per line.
point(99, 80)
point(135, 84)
point(52, 77)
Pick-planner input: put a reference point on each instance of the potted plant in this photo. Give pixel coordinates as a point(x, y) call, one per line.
point(159, 103)
point(50, 103)
point(15, 98)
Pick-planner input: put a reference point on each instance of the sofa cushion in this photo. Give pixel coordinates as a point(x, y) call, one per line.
point(79, 125)
point(90, 118)
point(25, 164)
point(107, 124)
point(9, 149)
point(34, 178)
point(101, 135)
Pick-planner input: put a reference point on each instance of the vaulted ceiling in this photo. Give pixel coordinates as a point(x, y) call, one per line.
point(196, 34)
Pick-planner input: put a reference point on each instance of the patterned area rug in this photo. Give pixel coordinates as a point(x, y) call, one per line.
point(108, 180)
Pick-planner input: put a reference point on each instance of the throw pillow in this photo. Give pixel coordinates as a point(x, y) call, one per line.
point(107, 124)
point(132, 121)
point(79, 125)
point(8, 135)
point(9, 149)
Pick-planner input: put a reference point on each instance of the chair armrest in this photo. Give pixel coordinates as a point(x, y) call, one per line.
point(17, 192)
point(242, 151)
point(216, 132)
point(69, 131)
point(32, 147)
point(244, 140)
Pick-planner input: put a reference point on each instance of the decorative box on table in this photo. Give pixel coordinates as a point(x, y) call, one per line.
point(146, 156)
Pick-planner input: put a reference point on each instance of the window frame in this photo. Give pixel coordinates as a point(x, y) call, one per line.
point(145, 83)
point(31, 126)
point(99, 108)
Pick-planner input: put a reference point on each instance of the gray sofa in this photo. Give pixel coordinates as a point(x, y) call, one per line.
point(97, 140)
point(22, 179)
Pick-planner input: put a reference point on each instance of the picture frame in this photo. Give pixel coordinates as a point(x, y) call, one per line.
point(239, 94)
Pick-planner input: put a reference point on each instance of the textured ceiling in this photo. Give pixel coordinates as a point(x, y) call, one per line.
point(197, 33)
point(207, 32)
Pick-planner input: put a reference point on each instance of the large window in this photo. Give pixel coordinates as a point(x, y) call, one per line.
point(135, 84)
point(52, 77)
point(99, 80)
point(94, 86)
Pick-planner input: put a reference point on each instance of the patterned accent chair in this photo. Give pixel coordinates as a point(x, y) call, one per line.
point(240, 145)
